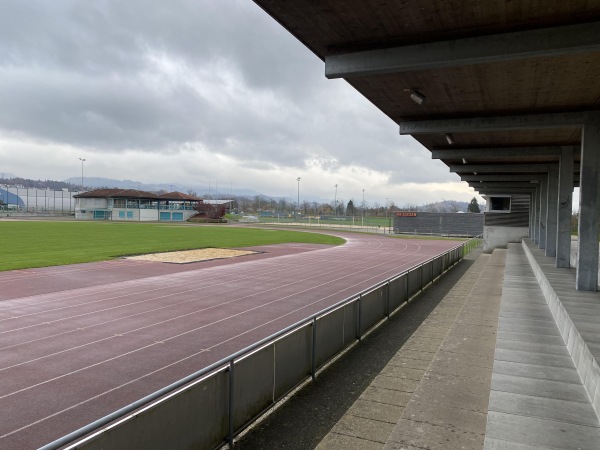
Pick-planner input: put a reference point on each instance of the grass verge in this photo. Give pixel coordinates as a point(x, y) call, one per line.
point(39, 244)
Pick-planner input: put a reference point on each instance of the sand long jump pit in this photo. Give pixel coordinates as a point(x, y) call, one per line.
point(191, 256)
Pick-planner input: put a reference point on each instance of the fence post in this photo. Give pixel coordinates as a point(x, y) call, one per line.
point(359, 334)
point(387, 300)
point(230, 412)
point(314, 349)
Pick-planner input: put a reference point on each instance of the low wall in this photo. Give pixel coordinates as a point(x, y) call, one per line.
point(499, 237)
point(453, 224)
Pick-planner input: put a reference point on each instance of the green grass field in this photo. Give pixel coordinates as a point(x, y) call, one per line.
point(38, 244)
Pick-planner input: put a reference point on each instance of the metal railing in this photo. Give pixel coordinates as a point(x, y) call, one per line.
point(208, 408)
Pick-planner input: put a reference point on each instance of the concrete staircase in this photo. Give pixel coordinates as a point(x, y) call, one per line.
point(538, 399)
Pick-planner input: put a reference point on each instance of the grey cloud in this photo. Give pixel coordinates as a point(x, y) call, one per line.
point(85, 73)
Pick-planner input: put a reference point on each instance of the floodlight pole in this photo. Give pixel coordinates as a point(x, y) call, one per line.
point(335, 200)
point(363, 210)
point(298, 180)
point(82, 161)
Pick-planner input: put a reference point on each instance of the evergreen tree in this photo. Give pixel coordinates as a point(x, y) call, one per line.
point(350, 208)
point(473, 206)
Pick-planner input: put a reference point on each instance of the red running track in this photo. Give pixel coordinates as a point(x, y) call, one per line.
point(78, 342)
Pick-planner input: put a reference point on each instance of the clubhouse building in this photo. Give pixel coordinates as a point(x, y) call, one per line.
point(134, 205)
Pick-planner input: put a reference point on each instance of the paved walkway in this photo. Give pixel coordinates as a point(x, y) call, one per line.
point(486, 368)
point(434, 392)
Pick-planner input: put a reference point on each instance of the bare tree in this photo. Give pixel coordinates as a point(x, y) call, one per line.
point(210, 211)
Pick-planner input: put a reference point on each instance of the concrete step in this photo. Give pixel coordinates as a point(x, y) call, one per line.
point(537, 397)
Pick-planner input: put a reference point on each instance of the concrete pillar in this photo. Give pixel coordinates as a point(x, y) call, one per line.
point(552, 212)
point(589, 205)
point(543, 211)
point(531, 206)
point(536, 215)
point(565, 200)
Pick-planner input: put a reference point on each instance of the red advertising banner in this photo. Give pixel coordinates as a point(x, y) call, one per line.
point(406, 214)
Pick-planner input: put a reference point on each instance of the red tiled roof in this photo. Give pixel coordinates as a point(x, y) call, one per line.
point(134, 193)
point(118, 193)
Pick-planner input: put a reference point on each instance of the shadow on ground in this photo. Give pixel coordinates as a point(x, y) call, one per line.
point(304, 420)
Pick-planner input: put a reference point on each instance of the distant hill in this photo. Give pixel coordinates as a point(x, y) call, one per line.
point(446, 206)
point(98, 182)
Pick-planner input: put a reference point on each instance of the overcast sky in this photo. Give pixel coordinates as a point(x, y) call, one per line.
point(192, 91)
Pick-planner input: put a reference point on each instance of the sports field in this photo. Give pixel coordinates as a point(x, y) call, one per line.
point(38, 244)
point(80, 341)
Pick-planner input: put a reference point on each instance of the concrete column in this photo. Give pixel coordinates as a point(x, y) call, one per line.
point(536, 215)
point(531, 206)
point(565, 199)
point(552, 212)
point(589, 205)
point(543, 211)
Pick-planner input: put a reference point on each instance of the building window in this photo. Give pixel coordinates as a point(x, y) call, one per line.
point(499, 204)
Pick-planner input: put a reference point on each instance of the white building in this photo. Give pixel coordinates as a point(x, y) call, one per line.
point(134, 205)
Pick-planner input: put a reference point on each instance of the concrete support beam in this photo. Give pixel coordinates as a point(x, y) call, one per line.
point(486, 168)
point(492, 192)
point(511, 177)
point(565, 198)
point(543, 212)
point(552, 212)
point(495, 123)
point(483, 153)
point(543, 42)
point(589, 206)
point(501, 184)
point(502, 177)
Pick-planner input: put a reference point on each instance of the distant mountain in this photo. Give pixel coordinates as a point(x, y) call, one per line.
point(98, 182)
point(446, 206)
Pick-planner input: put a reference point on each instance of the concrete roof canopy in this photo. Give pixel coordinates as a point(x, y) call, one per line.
point(478, 84)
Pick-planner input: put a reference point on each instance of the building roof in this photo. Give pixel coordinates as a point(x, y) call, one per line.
point(217, 202)
point(180, 196)
point(134, 193)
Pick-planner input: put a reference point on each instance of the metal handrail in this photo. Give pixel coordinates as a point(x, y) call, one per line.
point(227, 362)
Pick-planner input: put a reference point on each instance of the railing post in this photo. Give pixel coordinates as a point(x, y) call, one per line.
point(359, 334)
point(230, 407)
point(387, 300)
point(314, 349)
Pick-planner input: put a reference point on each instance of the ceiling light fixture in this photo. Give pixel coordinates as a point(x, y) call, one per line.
point(449, 138)
point(464, 161)
point(417, 97)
